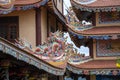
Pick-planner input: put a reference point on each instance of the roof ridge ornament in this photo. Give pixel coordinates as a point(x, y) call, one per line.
point(85, 2)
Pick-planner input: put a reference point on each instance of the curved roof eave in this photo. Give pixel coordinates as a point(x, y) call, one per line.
point(10, 49)
point(94, 30)
point(94, 67)
point(97, 6)
point(21, 5)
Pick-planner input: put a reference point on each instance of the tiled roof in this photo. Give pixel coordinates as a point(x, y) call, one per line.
point(102, 3)
point(20, 2)
point(7, 7)
point(96, 5)
point(97, 30)
point(57, 68)
point(97, 64)
point(25, 2)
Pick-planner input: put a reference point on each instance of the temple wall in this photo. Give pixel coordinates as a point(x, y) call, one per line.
point(43, 24)
point(105, 24)
point(26, 25)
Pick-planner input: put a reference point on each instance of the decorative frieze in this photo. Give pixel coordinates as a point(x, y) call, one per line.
point(108, 48)
point(109, 17)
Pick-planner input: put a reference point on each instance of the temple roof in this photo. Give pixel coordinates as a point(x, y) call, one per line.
point(95, 30)
point(28, 56)
point(95, 67)
point(96, 5)
point(26, 2)
point(55, 55)
point(76, 63)
point(20, 2)
point(7, 6)
point(97, 64)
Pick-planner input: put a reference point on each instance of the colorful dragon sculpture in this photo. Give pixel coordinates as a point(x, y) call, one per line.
point(55, 48)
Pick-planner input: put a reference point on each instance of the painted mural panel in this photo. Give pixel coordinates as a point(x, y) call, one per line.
point(109, 17)
point(108, 48)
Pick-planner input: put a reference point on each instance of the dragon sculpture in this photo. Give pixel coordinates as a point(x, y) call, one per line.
point(55, 48)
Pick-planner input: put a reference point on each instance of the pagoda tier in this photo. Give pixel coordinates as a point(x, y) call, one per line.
point(95, 67)
point(7, 6)
point(97, 28)
point(96, 5)
point(87, 9)
point(111, 32)
point(97, 19)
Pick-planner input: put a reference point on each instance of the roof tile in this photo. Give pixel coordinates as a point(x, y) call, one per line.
point(97, 64)
point(102, 3)
point(98, 30)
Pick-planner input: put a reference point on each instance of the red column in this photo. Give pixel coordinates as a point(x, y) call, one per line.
point(38, 26)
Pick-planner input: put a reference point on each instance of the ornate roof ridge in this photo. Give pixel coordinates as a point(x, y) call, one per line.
point(28, 57)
